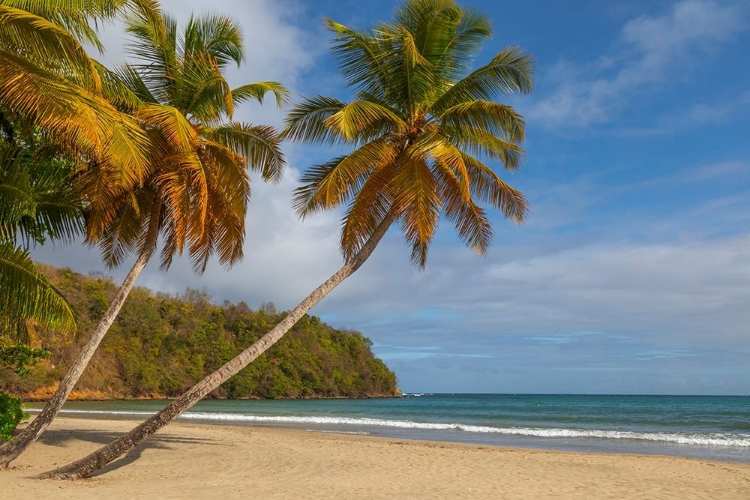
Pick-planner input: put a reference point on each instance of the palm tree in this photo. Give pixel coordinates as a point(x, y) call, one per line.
point(196, 194)
point(418, 128)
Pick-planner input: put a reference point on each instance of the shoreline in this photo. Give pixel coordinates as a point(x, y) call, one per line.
point(193, 460)
point(404, 421)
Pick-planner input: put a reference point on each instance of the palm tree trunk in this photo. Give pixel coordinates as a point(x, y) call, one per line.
point(11, 450)
point(106, 454)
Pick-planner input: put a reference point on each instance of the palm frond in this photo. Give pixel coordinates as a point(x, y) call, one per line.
point(306, 121)
point(216, 35)
point(47, 43)
point(125, 95)
point(258, 91)
point(177, 130)
point(487, 187)
point(418, 204)
point(491, 117)
point(362, 58)
point(26, 294)
point(78, 16)
point(260, 144)
point(37, 199)
point(372, 204)
point(130, 78)
point(511, 70)
point(470, 220)
point(81, 122)
point(478, 142)
point(356, 117)
point(452, 57)
point(331, 184)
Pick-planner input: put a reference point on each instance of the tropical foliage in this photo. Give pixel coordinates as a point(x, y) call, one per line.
point(17, 358)
point(11, 414)
point(37, 204)
point(48, 79)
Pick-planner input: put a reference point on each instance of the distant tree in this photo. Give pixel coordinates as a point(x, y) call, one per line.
point(418, 128)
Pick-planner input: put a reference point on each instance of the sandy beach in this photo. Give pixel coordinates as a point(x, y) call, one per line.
point(199, 461)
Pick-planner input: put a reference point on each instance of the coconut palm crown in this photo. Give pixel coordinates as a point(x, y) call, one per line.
point(422, 127)
point(198, 186)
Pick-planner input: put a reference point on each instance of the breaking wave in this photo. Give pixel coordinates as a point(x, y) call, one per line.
point(707, 439)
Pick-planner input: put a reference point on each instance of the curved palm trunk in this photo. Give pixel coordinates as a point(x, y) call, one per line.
point(11, 450)
point(106, 454)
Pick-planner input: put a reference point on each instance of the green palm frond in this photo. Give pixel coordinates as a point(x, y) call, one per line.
point(258, 143)
point(128, 76)
point(363, 60)
point(306, 121)
point(215, 35)
point(26, 294)
point(258, 90)
point(47, 43)
point(356, 117)
point(509, 71)
point(37, 199)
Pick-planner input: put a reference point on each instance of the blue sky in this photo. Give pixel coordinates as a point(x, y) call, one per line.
point(632, 274)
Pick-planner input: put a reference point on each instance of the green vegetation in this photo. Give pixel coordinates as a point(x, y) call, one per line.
point(11, 415)
point(162, 344)
point(17, 358)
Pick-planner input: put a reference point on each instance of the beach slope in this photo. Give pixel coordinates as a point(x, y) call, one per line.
point(199, 461)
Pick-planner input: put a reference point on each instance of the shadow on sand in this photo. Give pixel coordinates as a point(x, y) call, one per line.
point(160, 442)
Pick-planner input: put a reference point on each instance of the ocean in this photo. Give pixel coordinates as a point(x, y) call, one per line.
point(711, 427)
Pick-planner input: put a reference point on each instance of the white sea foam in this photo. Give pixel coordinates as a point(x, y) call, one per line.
point(713, 439)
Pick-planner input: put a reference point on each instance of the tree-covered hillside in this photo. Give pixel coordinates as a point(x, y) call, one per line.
point(161, 344)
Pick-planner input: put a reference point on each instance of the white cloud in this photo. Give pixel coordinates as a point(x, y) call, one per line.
point(652, 50)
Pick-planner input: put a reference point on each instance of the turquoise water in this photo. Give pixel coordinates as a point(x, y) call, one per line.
point(692, 426)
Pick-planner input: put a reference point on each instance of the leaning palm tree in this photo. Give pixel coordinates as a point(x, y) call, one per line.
point(196, 194)
point(419, 126)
